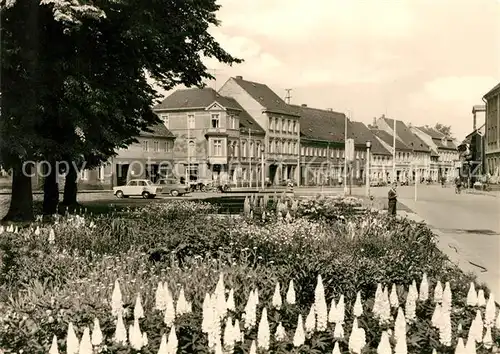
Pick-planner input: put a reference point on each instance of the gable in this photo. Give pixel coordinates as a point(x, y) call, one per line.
point(215, 106)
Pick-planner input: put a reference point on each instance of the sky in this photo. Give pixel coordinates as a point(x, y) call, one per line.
point(419, 61)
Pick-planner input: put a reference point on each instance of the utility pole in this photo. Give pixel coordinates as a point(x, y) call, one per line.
point(288, 95)
point(214, 74)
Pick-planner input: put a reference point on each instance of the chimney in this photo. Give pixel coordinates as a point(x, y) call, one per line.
point(474, 122)
point(374, 121)
point(329, 109)
point(303, 105)
point(239, 77)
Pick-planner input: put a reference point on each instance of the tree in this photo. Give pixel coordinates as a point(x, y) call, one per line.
point(75, 80)
point(445, 129)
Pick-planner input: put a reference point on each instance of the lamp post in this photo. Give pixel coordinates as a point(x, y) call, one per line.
point(262, 165)
point(368, 145)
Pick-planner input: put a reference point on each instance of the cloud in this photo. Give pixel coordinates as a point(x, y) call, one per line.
point(456, 88)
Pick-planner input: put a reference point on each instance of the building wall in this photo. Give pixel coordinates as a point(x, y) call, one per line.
point(492, 136)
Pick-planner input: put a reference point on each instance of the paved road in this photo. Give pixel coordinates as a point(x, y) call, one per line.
point(468, 226)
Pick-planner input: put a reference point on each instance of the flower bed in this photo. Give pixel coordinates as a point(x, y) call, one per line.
point(70, 272)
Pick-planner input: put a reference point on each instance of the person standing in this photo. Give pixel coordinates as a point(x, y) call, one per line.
point(393, 199)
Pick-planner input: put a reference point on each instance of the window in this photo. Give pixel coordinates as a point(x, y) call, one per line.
point(283, 147)
point(84, 175)
point(145, 146)
point(215, 121)
point(165, 120)
point(294, 126)
point(100, 173)
point(244, 149)
point(236, 150)
point(191, 122)
point(156, 146)
point(251, 149)
point(218, 147)
point(271, 123)
point(142, 183)
point(278, 125)
point(302, 151)
point(192, 148)
point(272, 147)
point(232, 122)
point(285, 126)
point(290, 128)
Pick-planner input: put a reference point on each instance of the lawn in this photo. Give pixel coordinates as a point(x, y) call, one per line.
point(319, 275)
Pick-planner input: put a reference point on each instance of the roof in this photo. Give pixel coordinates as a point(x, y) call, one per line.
point(266, 97)
point(388, 139)
point(432, 132)
point(361, 134)
point(492, 91)
point(434, 153)
point(321, 124)
point(246, 120)
point(410, 139)
point(194, 98)
point(158, 131)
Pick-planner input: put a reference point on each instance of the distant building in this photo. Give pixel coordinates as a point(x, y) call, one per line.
point(492, 132)
point(471, 152)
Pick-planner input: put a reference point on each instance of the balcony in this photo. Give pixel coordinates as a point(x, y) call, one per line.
point(217, 160)
point(215, 132)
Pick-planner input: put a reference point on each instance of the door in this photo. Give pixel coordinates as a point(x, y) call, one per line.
point(121, 174)
point(131, 188)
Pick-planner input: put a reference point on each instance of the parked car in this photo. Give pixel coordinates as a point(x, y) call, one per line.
point(172, 186)
point(137, 188)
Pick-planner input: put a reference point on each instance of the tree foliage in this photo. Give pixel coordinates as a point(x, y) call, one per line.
point(75, 73)
point(445, 129)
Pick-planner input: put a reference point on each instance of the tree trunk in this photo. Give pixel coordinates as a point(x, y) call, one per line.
point(51, 190)
point(70, 186)
point(21, 204)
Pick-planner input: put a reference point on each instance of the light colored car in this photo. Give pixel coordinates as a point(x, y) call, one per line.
point(172, 186)
point(136, 188)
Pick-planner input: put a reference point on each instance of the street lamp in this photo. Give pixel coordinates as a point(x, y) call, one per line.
point(368, 145)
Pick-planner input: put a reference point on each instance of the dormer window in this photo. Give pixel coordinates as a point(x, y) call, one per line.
point(215, 120)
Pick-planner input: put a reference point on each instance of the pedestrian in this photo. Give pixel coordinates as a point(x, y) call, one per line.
point(393, 199)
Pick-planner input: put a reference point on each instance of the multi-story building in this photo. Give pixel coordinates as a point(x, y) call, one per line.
point(215, 137)
point(444, 147)
point(471, 152)
point(492, 132)
point(279, 121)
point(412, 154)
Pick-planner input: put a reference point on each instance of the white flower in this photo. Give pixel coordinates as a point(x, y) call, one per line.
point(413, 291)
point(256, 296)
point(276, 301)
point(97, 337)
point(253, 348)
point(263, 332)
point(207, 312)
point(230, 305)
point(438, 292)
point(478, 330)
point(172, 341)
point(488, 340)
point(250, 312)
point(310, 324)
point(340, 317)
point(320, 306)
point(299, 337)
point(460, 348)
point(332, 314)
point(385, 308)
point(445, 329)
point(336, 349)
point(424, 289)
point(358, 306)
point(393, 298)
point(85, 344)
point(138, 310)
point(145, 341)
point(72, 343)
point(135, 335)
point(182, 305)
point(169, 315)
point(116, 300)
point(357, 339)
point(229, 335)
point(401, 347)
point(470, 348)
point(447, 297)
point(472, 295)
point(53, 347)
point(481, 301)
point(220, 297)
point(400, 325)
point(52, 236)
point(489, 314)
point(37, 231)
point(410, 307)
point(377, 304)
point(280, 333)
point(338, 332)
point(290, 294)
point(163, 345)
point(384, 346)
point(437, 316)
point(160, 303)
point(238, 335)
point(120, 332)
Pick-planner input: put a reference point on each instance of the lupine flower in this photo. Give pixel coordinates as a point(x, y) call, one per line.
point(481, 301)
point(37, 231)
point(116, 300)
point(120, 332)
point(97, 337)
point(401, 346)
point(167, 295)
point(447, 297)
point(253, 348)
point(53, 347)
point(290, 295)
point(276, 301)
point(230, 305)
point(434, 351)
point(472, 295)
point(411, 306)
point(145, 341)
point(163, 345)
point(378, 301)
point(459, 328)
point(470, 347)
point(438, 292)
point(393, 298)
point(138, 310)
point(357, 339)
point(332, 314)
point(169, 316)
point(340, 310)
point(214, 329)
point(85, 344)
point(489, 314)
point(229, 337)
point(263, 332)
point(338, 332)
point(299, 337)
point(160, 303)
point(280, 334)
point(437, 316)
point(424, 289)
point(385, 309)
point(460, 348)
point(400, 325)
point(445, 329)
point(52, 236)
point(182, 305)
point(72, 343)
point(220, 297)
point(413, 291)
point(384, 346)
point(320, 306)
point(488, 340)
point(256, 296)
point(478, 330)
point(336, 349)
point(310, 324)
point(358, 306)
point(172, 341)
point(250, 312)
point(207, 311)
point(238, 334)
point(135, 335)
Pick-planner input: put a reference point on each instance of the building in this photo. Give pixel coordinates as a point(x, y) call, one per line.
point(492, 132)
point(444, 147)
point(215, 137)
point(471, 152)
point(279, 121)
point(412, 154)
